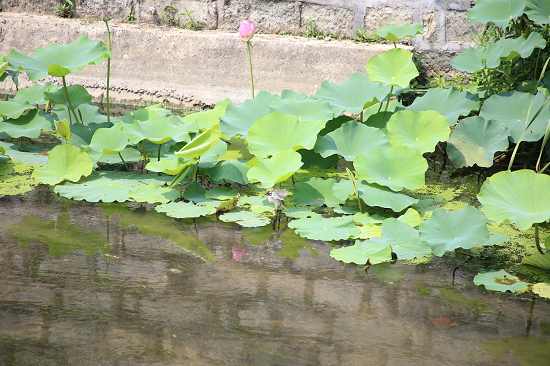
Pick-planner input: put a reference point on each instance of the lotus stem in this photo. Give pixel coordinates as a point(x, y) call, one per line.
point(108, 72)
point(158, 155)
point(537, 241)
point(196, 170)
point(143, 155)
point(388, 101)
point(361, 117)
point(126, 165)
point(250, 61)
point(69, 100)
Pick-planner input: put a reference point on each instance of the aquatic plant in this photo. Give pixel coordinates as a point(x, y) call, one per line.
point(246, 32)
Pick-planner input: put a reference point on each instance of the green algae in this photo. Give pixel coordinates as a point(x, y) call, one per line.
point(15, 178)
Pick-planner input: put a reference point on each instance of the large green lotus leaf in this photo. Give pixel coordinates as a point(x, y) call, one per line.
point(475, 141)
point(286, 94)
point(334, 124)
point(207, 119)
point(362, 253)
point(81, 135)
point(87, 114)
point(153, 193)
point(107, 186)
point(374, 195)
point(368, 231)
point(514, 47)
point(312, 158)
point(304, 110)
point(397, 167)
point(29, 125)
point(319, 228)
point(13, 108)
point(352, 95)
point(316, 192)
point(195, 192)
point(239, 118)
point(411, 217)
point(394, 67)
point(278, 132)
point(404, 240)
point(500, 12)
point(184, 210)
point(77, 95)
point(500, 281)
point(379, 120)
point(538, 260)
point(212, 156)
point(230, 171)
point(199, 145)
point(157, 129)
point(275, 169)
point(475, 59)
point(59, 60)
point(34, 94)
point(351, 139)
point(396, 32)
point(538, 11)
point(448, 230)
point(108, 141)
point(65, 162)
point(366, 219)
point(130, 154)
point(35, 154)
point(419, 131)
point(450, 103)
point(169, 166)
point(521, 197)
point(515, 111)
point(245, 219)
point(221, 193)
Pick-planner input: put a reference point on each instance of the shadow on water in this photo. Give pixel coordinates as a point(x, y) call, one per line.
point(109, 284)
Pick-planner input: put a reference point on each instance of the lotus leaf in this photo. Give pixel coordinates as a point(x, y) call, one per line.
point(496, 239)
point(538, 11)
point(516, 110)
point(312, 158)
point(542, 289)
point(78, 95)
point(35, 93)
point(13, 108)
point(34, 154)
point(254, 200)
point(199, 145)
point(404, 240)
point(394, 67)
point(278, 132)
point(368, 231)
point(375, 109)
point(286, 94)
point(65, 162)
point(379, 120)
point(376, 195)
point(292, 243)
point(476, 59)
point(157, 130)
point(169, 166)
point(450, 103)
point(108, 141)
point(275, 169)
point(362, 253)
point(500, 12)
point(448, 230)
point(396, 32)
point(347, 209)
point(397, 167)
point(514, 47)
point(183, 210)
point(411, 217)
point(365, 218)
point(87, 113)
point(29, 125)
point(245, 219)
point(221, 193)
point(475, 141)
point(304, 110)
point(231, 171)
point(352, 95)
point(301, 213)
point(335, 123)
point(238, 119)
point(207, 119)
point(538, 260)
point(107, 186)
point(211, 157)
point(316, 192)
point(319, 228)
point(153, 193)
point(195, 192)
point(351, 139)
point(129, 154)
point(500, 281)
point(81, 135)
point(417, 130)
point(59, 60)
point(520, 196)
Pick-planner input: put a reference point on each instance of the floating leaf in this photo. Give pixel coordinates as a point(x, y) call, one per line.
point(362, 253)
point(65, 162)
point(476, 59)
point(368, 231)
point(450, 103)
point(319, 228)
point(397, 167)
point(365, 218)
point(538, 260)
point(500, 12)
point(29, 125)
point(301, 213)
point(475, 141)
point(351, 139)
point(275, 169)
point(245, 219)
point(542, 289)
point(381, 196)
point(538, 11)
point(520, 196)
point(404, 240)
point(184, 210)
point(304, 110)
point(352, 95)
point(396, 32)
point(153, 193)
point(500, 281)
point(316, 192)
point(239, 118)
point(448, 230)
point(417, 130)
point(278, 132)
point(394, 67)
point(221, 193)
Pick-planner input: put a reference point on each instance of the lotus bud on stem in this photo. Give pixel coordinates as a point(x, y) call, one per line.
point(246, 32)
point(105, 18)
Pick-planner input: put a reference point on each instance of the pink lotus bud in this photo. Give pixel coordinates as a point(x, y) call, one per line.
point(246, 31)
point(105, 16)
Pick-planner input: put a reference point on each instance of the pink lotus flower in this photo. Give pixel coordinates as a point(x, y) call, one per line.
point(246, 31)
point(104, 16)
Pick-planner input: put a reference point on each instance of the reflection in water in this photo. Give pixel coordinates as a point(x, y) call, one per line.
point(111, 285)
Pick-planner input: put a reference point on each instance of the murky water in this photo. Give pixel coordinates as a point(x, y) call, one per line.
point(100, 284)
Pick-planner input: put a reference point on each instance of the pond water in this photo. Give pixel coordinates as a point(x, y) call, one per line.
point(112, 284)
